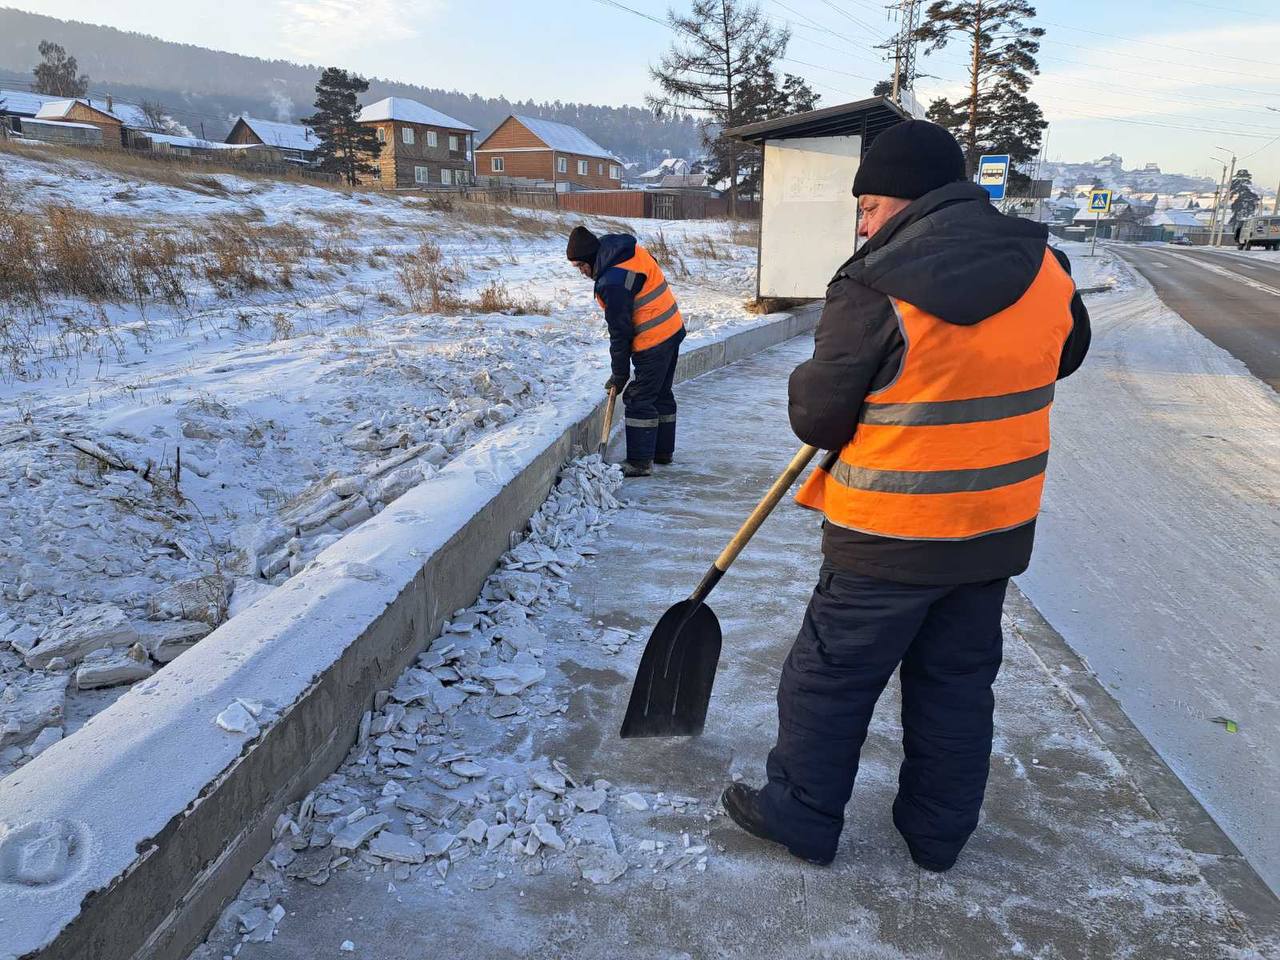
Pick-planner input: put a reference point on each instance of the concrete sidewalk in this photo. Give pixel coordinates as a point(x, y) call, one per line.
point(1070, 861)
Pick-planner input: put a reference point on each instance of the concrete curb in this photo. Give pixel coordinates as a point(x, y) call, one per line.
point(1219, 860)
point(163, 812)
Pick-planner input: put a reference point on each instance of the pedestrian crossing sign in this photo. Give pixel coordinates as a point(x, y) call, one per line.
point(1099, 201)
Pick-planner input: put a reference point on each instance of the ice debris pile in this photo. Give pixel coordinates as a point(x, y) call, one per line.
point(433, 790)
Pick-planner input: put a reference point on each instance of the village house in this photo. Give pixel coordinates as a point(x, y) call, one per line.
point(19, 105)
point(534, 149)
point(83, 113)
point(420, 146)
point(296, 143)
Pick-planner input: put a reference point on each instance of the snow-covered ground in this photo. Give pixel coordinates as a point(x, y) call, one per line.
point(163, 464)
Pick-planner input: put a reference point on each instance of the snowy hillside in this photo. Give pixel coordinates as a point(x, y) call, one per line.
point(207, 380)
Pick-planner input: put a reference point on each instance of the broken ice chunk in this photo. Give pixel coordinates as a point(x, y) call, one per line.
point(468, 768)
point(237, 719)
point(398, 847)
point(550, 782)
point(635, 801)
point(586, 799)
point(547, 835)
point(357, 833)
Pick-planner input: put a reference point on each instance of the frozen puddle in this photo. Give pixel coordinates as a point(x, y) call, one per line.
point(443, 785)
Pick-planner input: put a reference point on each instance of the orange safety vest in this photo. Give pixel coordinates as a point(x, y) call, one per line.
point(654, 312)
point(956, 446)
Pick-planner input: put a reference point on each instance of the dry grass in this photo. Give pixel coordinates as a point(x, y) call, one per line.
point(705, 247)
point(428, 281)
point(668, 254)
point(496, 298)
point(745, 233)
point(500, 216)
point(186, 173)
point(53, 253)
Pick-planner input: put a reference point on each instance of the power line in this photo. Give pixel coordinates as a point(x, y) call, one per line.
point(1147, 58)
point(1152, 43)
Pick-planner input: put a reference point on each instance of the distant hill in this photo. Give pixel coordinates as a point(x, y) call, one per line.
point(202, 86)
point(1110, 172)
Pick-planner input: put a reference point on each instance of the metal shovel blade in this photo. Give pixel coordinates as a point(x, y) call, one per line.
point(673, 684)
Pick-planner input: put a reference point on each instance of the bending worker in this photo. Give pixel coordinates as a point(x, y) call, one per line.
point(645, 329)
point(931, 380)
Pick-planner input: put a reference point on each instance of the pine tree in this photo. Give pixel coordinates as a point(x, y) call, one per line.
point(346, 146)
point(1244, 200)
point(719, 45)
point(996, 116)
point(57, 75)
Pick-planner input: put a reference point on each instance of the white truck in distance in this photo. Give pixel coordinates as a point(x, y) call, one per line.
point(1259, 231)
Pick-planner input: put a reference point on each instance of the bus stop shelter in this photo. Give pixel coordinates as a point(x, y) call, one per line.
point(808, 217)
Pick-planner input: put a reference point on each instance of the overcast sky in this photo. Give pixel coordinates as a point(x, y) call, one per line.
point(1167, 82)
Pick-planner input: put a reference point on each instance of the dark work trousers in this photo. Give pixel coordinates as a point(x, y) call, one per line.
point(650, 403)
point(856, 632)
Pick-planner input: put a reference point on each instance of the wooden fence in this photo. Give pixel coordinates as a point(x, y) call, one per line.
point(641, 204)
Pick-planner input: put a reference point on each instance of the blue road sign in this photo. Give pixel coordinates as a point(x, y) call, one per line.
point(1099, 201)
point(993, 174)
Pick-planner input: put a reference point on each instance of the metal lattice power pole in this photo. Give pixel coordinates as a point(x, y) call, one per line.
point(903, 46)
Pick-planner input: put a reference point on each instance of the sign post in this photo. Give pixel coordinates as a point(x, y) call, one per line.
point(1099, 203)
point(993, 174)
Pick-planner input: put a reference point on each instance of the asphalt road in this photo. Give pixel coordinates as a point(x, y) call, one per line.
point(1231, 298)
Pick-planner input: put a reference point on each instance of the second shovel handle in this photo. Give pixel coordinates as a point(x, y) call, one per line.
point(765, 507)
point(608, 418)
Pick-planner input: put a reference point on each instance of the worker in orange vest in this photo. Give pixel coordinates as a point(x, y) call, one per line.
point(932, 376)
point(645, 330)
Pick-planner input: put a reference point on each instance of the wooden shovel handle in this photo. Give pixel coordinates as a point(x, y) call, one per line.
point(608, 418)
point(765, 507)
point(752, 524)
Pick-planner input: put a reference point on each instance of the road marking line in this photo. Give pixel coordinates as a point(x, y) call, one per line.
point(1223, 271)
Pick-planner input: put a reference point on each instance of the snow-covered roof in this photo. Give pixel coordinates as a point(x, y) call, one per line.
point(130, 114)
point(668, 167)
point(23, 102)
point(289, 136)
point(562, 137)
point(1176, 218)
point(55, 109)
point(410, 111)
point(36, 122)
point(195, 143)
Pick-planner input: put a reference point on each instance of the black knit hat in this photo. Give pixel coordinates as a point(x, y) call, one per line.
point(908, 160)
point(583, 246)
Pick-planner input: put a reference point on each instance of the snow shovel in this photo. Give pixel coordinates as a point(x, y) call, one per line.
point(608, 421)
point(673, 684)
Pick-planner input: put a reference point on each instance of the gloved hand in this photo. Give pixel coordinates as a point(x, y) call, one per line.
point(615, 382)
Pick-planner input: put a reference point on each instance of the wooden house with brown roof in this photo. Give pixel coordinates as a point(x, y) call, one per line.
point(536, 149)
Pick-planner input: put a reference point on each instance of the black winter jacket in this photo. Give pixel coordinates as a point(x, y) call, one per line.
point(952, 254)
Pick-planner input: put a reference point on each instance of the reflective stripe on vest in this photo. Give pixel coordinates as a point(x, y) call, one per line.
point(956, 446)
point(654, 312)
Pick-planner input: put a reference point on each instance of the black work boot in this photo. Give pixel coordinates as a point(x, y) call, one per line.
point(637, 468)
point(742, 804)
point(662, 460)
